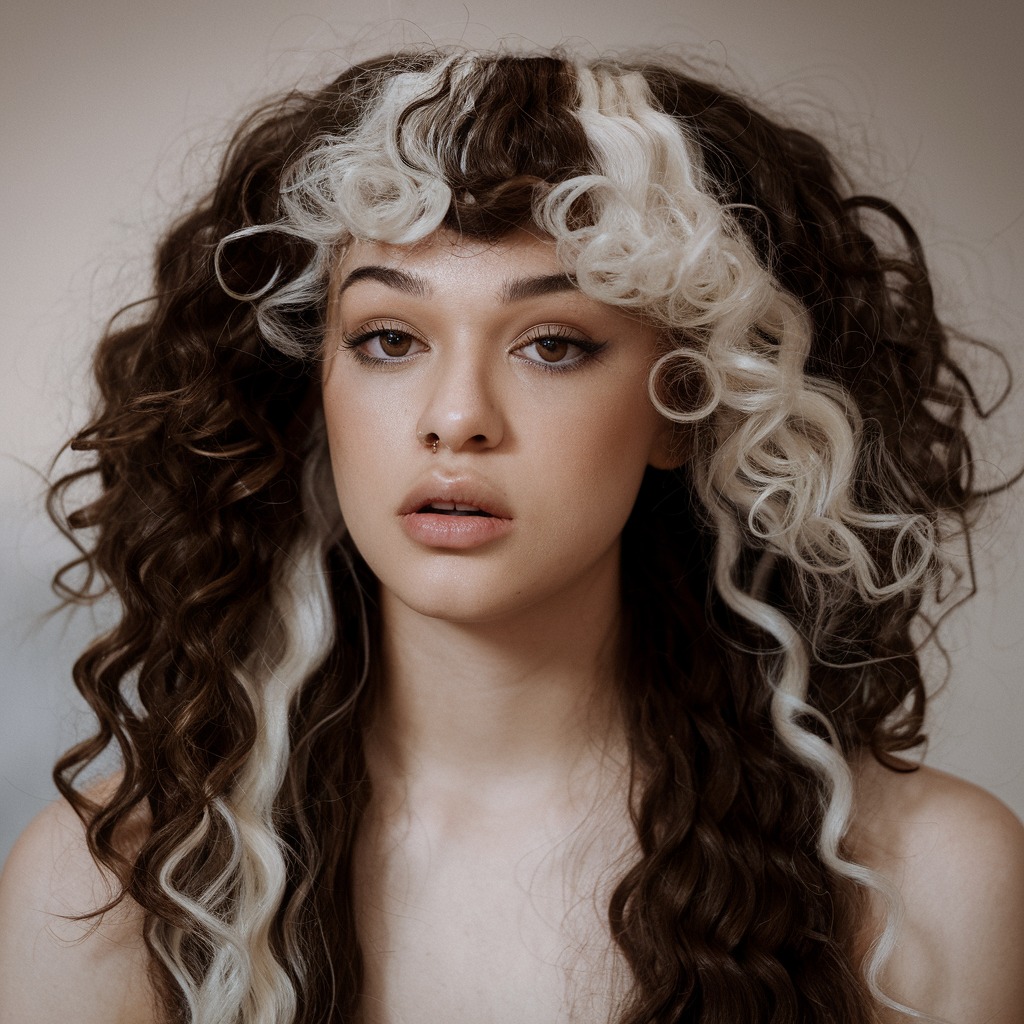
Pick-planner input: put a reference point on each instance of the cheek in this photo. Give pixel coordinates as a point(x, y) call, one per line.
point(616, 428)
point(355, 437)
point(605, 456)
point(365, 414)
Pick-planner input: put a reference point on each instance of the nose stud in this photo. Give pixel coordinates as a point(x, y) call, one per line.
point(431, 439)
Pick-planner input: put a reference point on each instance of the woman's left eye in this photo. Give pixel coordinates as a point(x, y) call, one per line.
point(556, 351)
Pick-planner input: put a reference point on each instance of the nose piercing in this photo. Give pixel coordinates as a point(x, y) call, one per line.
point(432, 439)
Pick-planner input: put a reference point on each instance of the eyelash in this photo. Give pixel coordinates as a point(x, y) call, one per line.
point(587, 348)
point(354, 343)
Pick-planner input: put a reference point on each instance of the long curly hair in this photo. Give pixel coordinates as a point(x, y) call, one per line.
point(770, 585)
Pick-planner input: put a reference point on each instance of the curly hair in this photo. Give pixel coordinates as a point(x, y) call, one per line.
point(770, 584)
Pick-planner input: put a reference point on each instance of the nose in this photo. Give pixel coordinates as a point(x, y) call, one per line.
point(462, 411)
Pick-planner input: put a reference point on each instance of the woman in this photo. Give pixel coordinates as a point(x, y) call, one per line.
point(521, 490)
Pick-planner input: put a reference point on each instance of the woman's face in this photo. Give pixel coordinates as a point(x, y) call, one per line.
point(489, 424)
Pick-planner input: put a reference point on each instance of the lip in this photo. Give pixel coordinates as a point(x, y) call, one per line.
point(455, 532)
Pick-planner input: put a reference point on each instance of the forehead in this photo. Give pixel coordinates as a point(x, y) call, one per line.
point(456, 274)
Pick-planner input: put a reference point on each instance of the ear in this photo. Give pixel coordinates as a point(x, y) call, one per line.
point(672, 446)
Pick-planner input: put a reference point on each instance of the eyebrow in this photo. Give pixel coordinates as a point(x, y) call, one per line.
point(534, 287)
point(389, 276)
point(513, 291)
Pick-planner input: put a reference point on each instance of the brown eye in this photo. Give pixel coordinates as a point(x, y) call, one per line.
point(378, 345)
point(394, 343)
point(552, 350)
point(557, 352)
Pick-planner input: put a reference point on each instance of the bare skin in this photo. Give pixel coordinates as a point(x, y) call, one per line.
point(55, 969)
point(955, 853)
point(956, 857)
point(509, 863)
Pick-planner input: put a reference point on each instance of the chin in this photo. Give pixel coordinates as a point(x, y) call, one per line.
point(461, 604)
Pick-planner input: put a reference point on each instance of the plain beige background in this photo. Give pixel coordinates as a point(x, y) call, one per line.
point(111, 112)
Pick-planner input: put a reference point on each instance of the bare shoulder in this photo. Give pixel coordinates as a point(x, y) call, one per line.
point(956, 855)
point(53, 967)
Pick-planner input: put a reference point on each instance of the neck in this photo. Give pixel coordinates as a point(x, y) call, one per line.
point(505, 713)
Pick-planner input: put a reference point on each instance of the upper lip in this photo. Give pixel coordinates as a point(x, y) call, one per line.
point(462, 490)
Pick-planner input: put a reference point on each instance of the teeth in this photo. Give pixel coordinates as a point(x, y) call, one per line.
point(452, 506)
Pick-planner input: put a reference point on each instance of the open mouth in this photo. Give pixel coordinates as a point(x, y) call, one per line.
point(452, 508)
point(460, 515)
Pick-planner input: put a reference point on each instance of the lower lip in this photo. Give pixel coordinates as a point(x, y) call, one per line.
point(458, 533)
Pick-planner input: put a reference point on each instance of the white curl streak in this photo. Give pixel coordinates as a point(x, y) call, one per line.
point(235, 911)
point(789, 701)
point(258, 293)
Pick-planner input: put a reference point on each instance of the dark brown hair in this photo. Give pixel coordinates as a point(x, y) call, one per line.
point(201, 442)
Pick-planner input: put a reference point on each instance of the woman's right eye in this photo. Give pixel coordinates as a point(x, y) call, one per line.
point(383, 344)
